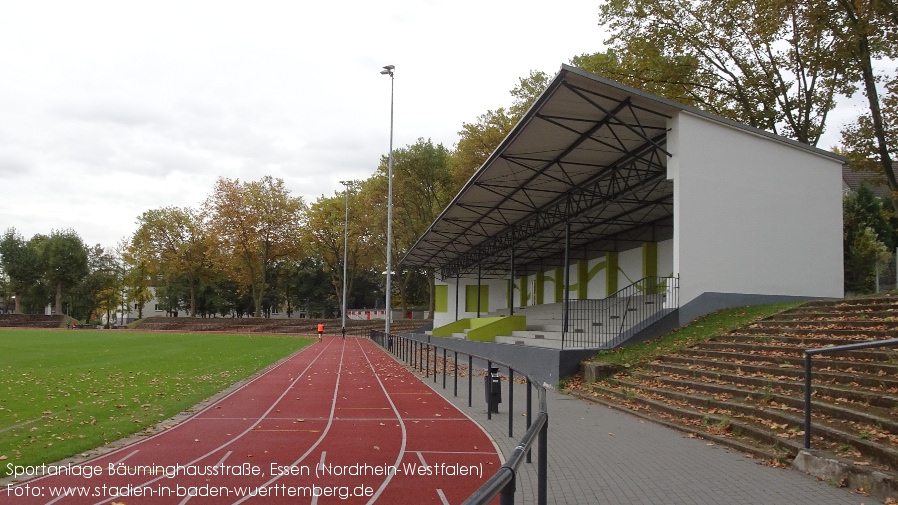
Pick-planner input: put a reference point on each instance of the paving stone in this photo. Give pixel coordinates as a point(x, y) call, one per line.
point(597, 455)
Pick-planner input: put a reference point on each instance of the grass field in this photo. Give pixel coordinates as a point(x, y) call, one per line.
point(695, 332)
point(65, 392)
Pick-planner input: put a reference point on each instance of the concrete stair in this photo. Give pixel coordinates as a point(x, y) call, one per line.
point(31, 321)
point(545, 322)
point(745, 389)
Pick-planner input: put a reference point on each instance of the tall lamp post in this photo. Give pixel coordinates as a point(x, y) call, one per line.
point(388, 70)
point(345, 250)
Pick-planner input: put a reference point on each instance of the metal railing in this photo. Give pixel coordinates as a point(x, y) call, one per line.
point(809, 354)
point(602, 323)
point(417, 354)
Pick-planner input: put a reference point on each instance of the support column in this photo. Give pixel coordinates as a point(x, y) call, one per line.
point(457, 282)
point(567, 281)
point(478, 291)
point(511, 286)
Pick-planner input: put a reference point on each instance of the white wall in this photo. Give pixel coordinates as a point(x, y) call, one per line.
point(665, 258)
point(497, 299)
point(629, 264)
point(752, 215)
point(595, 288)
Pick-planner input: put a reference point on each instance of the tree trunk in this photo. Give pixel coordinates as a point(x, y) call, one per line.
point(876, 114)
point(865, 58)
point(18, 304)
point(257, 300)
point(58, 307)
point(192, 296)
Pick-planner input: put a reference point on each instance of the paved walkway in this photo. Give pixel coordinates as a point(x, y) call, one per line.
point(598, 455)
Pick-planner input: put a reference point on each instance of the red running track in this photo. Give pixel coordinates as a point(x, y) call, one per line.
point(338, 422)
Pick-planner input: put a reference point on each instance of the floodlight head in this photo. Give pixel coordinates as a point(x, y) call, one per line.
point(388, 70)
point(346, 183)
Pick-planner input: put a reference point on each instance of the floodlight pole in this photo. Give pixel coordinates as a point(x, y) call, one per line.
point(388, 70)
point(345, 250)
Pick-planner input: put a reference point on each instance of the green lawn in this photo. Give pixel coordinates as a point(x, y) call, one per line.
point(695, 332)
point(64, 392)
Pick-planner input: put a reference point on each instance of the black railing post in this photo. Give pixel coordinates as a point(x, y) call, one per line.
point(542, 464)
point(807, 400)
point(489, 390)
point(444, 368)
point(455, 372)
point(510, 402)
point(529, 411)
point(503, 483)
point(470, 377)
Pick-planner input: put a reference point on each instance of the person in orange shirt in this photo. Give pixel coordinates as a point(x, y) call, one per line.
point(320, 331)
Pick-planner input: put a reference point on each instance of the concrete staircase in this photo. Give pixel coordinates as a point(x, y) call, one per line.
point(31, 321)
point(613, 318)
point(544, 326)
point(745, 389)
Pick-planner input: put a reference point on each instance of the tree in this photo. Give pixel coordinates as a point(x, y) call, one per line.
point(479, 139)
point(866, 30)
point(5, 291)
point(648, 68)
point(136, 277)
point(22, 263)
point(65, 262)
point(760, 62)
point(422, 188)
point(176, 241)
point(324, 234)
point(868, 238)
point(103, 283)
point(257, 223)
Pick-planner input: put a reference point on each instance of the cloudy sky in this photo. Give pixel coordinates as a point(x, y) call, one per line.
point(111, 108)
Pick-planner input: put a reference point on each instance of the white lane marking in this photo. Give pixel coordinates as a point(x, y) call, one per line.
point(399, 457)
point(442, 497)
point(326, 429)
point(127, 456)
point(321, 462)
point(54, 500)
point(220, 462)
point(244, 432)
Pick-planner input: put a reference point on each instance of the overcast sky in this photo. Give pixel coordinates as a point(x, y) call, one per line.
point(108, 109)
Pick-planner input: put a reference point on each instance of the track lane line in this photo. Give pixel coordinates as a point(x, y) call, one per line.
point(247, 430)
point(389, 477)
point(320, 462)
point(220, 462)
point(324, 432)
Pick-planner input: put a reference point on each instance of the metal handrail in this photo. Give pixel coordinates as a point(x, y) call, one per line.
point(602, 322)
point(810, 353)
point(503, 482)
